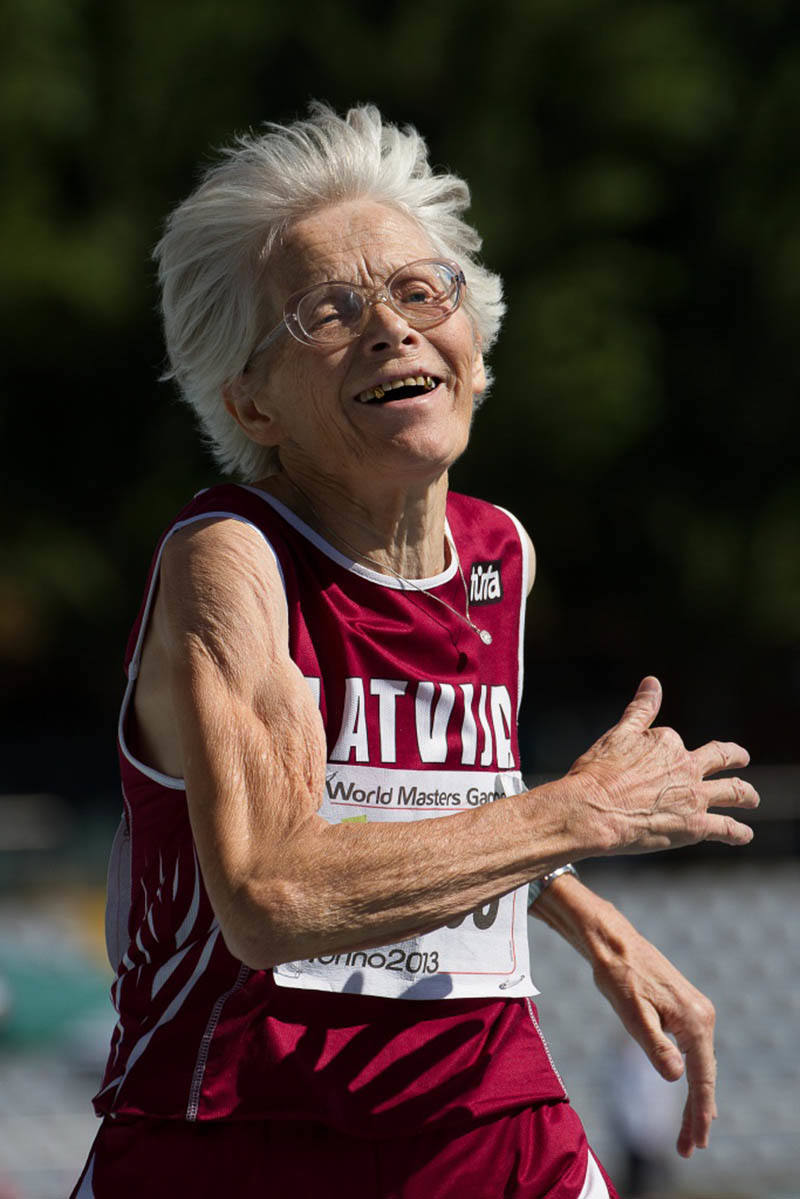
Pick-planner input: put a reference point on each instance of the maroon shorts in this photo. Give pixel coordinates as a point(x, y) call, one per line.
point(535, 1153)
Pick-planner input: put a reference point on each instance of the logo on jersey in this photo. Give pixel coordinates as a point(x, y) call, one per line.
point(485, 584)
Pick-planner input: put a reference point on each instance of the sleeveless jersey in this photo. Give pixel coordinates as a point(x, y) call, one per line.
point(420, 716)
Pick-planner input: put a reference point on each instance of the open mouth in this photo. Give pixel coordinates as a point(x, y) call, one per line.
point(400, 389)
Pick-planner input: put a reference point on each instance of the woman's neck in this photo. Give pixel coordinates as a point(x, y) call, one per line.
point(399, 531)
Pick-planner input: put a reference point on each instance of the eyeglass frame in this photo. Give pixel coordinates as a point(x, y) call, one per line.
point(290, 322)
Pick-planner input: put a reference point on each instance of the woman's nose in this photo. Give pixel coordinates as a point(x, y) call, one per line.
point(386, 327)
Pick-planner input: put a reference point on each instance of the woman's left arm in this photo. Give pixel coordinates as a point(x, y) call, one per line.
point(649, 995)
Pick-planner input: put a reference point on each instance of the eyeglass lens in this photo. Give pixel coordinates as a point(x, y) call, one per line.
point(424, 292)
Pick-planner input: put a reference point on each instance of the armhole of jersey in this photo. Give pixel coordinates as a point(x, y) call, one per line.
point(168, 780)
point(523, 599)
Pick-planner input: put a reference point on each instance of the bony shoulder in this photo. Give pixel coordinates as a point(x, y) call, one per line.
point(216, 545)
point(220, 574)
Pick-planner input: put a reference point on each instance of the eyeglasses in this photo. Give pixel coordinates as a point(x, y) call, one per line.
point(424, 293)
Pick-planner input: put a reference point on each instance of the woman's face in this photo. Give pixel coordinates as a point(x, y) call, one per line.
point(307, 401)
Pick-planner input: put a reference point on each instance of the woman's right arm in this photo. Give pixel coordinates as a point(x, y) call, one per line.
point(219, 694)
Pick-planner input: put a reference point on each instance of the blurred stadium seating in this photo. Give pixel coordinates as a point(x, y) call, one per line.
point(729, 921)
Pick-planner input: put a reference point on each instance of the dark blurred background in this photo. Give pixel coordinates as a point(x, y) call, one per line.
point(636, 178)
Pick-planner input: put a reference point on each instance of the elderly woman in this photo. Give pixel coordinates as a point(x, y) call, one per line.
point(318, 895)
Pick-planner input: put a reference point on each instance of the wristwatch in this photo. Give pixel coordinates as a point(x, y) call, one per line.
point(538, 885)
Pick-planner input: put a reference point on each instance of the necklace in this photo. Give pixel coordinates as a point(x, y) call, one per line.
point(484, 634)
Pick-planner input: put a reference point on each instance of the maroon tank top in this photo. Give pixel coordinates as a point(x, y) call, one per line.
point(416, 708)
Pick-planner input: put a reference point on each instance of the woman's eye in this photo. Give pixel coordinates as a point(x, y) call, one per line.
point(417, 293)
point(332, 309)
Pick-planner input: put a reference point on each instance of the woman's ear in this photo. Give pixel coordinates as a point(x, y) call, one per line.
point(478, 368)
point(251, 411)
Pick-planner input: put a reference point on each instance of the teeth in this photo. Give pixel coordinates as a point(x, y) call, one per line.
point(377, 393)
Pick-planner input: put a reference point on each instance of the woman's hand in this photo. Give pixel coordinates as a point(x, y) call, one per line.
point(648, 792)
point(652, 998)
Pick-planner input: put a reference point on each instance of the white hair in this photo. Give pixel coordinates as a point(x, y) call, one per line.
point(213, 258)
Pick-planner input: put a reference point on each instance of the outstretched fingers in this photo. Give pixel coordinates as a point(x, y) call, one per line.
point(727, 830)
point(719, 755)
point(730, 793)
point(727, 793)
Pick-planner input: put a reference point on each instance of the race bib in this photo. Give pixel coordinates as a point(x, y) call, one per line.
point(479, 955)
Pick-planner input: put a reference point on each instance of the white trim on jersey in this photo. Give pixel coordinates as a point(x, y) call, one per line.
point(594, 1185)
point(118, 895)
point(523, 601)
point(168, 780)
point(171, 1011)
point(86, 1189)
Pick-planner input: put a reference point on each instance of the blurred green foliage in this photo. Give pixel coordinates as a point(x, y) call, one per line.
point(636, 178)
